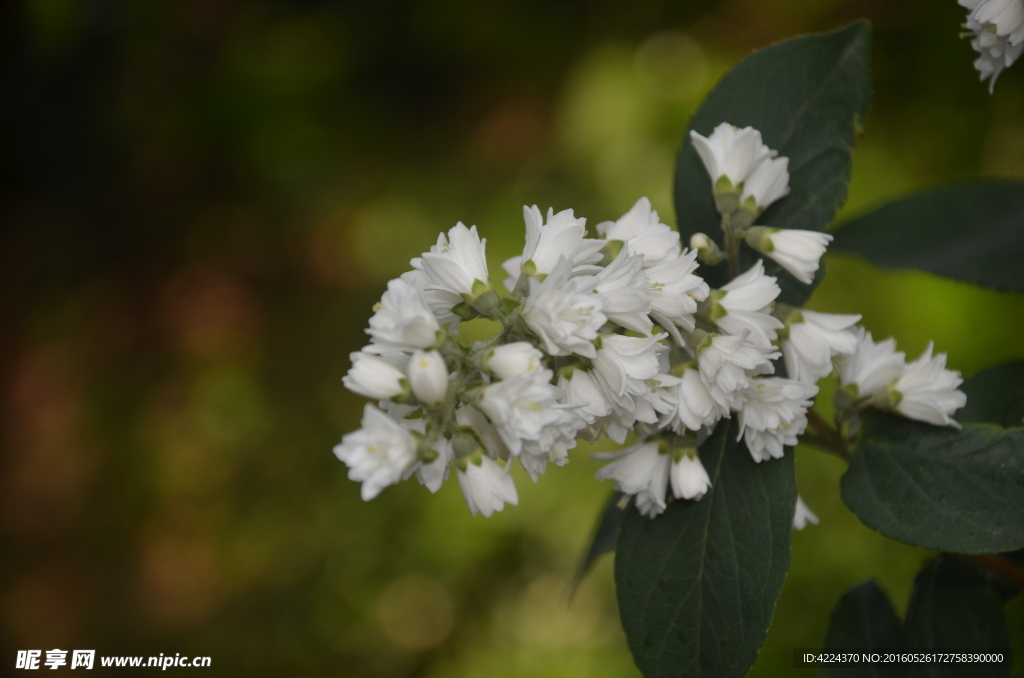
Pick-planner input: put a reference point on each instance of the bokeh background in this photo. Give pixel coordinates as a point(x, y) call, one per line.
point(201, 200)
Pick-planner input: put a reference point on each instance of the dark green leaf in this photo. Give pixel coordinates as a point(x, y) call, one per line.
point(697, 585)
point(995, 396)
point(971, 232)
point(951, 608)
point(808, 97)
point(864, 620)
point(606, 535)
point(944, 489)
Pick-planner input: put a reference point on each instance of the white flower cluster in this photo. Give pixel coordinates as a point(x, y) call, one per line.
point(996, 29)
point(879, 375)
point(613, 336)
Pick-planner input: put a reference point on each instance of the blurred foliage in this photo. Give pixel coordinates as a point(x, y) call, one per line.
point(201, 200)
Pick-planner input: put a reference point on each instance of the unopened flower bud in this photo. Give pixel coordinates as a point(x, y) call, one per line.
point(689, 478)
point(512, 360)
point(375, 378)
point(428, 377)
point(707, 249)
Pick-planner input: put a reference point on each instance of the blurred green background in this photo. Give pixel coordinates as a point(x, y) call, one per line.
point(201, 200)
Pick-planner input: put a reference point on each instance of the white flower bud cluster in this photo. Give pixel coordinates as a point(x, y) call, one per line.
point(611, 336)
point(996, 29)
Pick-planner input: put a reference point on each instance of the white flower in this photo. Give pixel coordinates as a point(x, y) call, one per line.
point(812, 339)
point(641, 470)
point(378, 454)
point(402, 321)
point(998, 35)
point(456, 261)
point(772, 413)
point(627, 370)
point(374, 377)
point(585, 395)
point(432, 472)
point(562, 236)
point(799, 252)
point(996, 52)
point(642, 232)
point(439, 301)
point(623, 286)
point(689, 478)
point(658, 399)
point(564, 311)
point(692, 404)
point(803, 515)
point(529, 418)
point(731, 152)
point(746, 301)
point(727, 363)
point(473, 418)
point(486, 486)
point(428, 377)
point(872, 366)
point(927, 391)
point(512, 360)
point(768, 182)
point(624, 364)
point(1007, 16)
point(674, 290)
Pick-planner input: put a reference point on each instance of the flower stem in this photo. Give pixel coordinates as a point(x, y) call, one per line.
point(827, 438)
point(732, 247)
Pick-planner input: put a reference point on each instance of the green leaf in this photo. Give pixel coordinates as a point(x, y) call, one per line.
point(864, 620)
point(808, 97)
point(697, 585)
point(951, 608)
point(995, 396)
point(940, 488)
point(606, 536)
point(970, 232)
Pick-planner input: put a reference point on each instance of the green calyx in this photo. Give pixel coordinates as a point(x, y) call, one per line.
point(463, 310)
point(889, 398)
point(847, 397)
point(684, 451)
point(566, 366)
point(699, 340)
point(744, 216)
point(406, 391)
point(610, 251)
point(707, 249)
point(711, 309)
point(466, 444)
point(680, 369)
point(727, 195)
point(760, 238)
point(727, 203)
point(789, 315)
point(482, 300)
